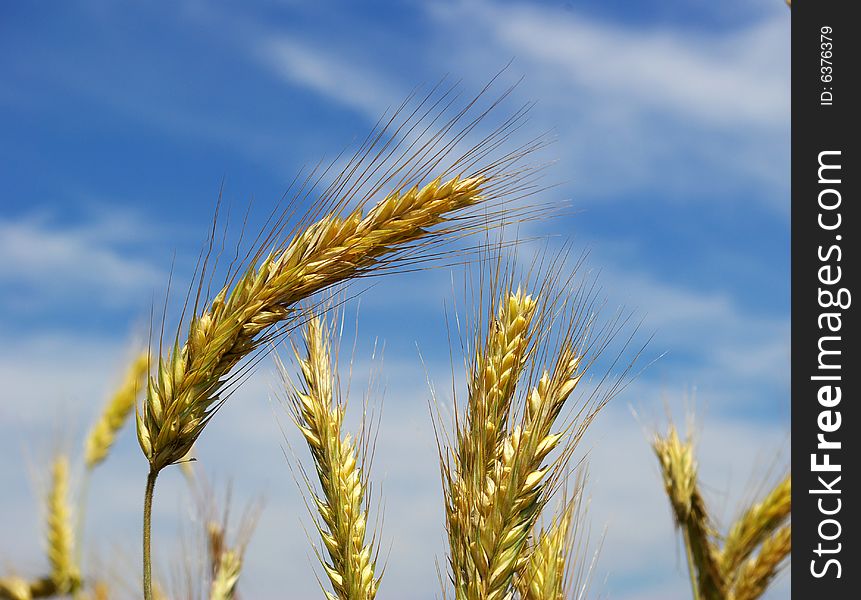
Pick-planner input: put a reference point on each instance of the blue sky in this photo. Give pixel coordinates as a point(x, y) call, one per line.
point(120, 121)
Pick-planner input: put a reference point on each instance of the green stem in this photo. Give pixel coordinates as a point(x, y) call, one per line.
point(147, 528)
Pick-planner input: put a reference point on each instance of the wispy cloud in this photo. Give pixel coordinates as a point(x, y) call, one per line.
point(345, 82)
point(66, 263)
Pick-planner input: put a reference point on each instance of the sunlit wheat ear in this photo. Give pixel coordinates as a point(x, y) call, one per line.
point(508, 452)
point(679, 472)
point(349, 560)
point(755, 525)
point(61, 546)
point(116, 412)
point(756, 574)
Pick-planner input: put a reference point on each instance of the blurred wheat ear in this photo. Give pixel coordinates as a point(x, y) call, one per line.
point(724, 572)
point(116, 412)
point(65, 576)
point(339, 459)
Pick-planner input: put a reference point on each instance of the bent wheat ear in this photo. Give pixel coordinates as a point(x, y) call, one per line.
point(679, 471)
point(338, 461)
point(61, 554)
point(187, 389)
point(116, 412)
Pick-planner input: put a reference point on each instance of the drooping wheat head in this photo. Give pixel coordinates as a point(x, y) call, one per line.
point(65, 574)
point(115, 413)
point(342, 500)
point(329, 245)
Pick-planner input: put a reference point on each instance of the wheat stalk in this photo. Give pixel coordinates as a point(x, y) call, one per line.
point(679, 471)
point(116, 412)
point(755, 575)
point(755, 525)
point(342, 501)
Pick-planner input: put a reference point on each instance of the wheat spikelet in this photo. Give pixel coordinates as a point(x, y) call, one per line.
point(342, 501)
point(61, 551)
point(755, 575)
point(679, 471)
point(542, 575)
point(115, 413)
point(186, 391)
point(757, 522)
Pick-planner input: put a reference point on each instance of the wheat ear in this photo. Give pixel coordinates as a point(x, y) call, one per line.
point(499, 482)
point(755, 575)
point(494, 374)
point(679, 471)
point(342, 500)
point(64, 571)
point(116, 412)
point(757, 522)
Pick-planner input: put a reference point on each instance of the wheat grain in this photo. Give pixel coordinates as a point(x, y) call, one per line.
point(342, 501)
point(757, 522)
point(755, 575)
point(115, 412)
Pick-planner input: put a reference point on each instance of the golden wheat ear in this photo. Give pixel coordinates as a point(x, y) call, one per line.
point(116, 412)
point(755, 575)
point(527, 351)
point(317, 408)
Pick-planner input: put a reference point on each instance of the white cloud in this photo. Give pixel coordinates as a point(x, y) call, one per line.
point(345, 82)
point(73, 262)
point(717, 77)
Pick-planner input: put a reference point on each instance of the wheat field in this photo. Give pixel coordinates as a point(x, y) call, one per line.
point(540, 360)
